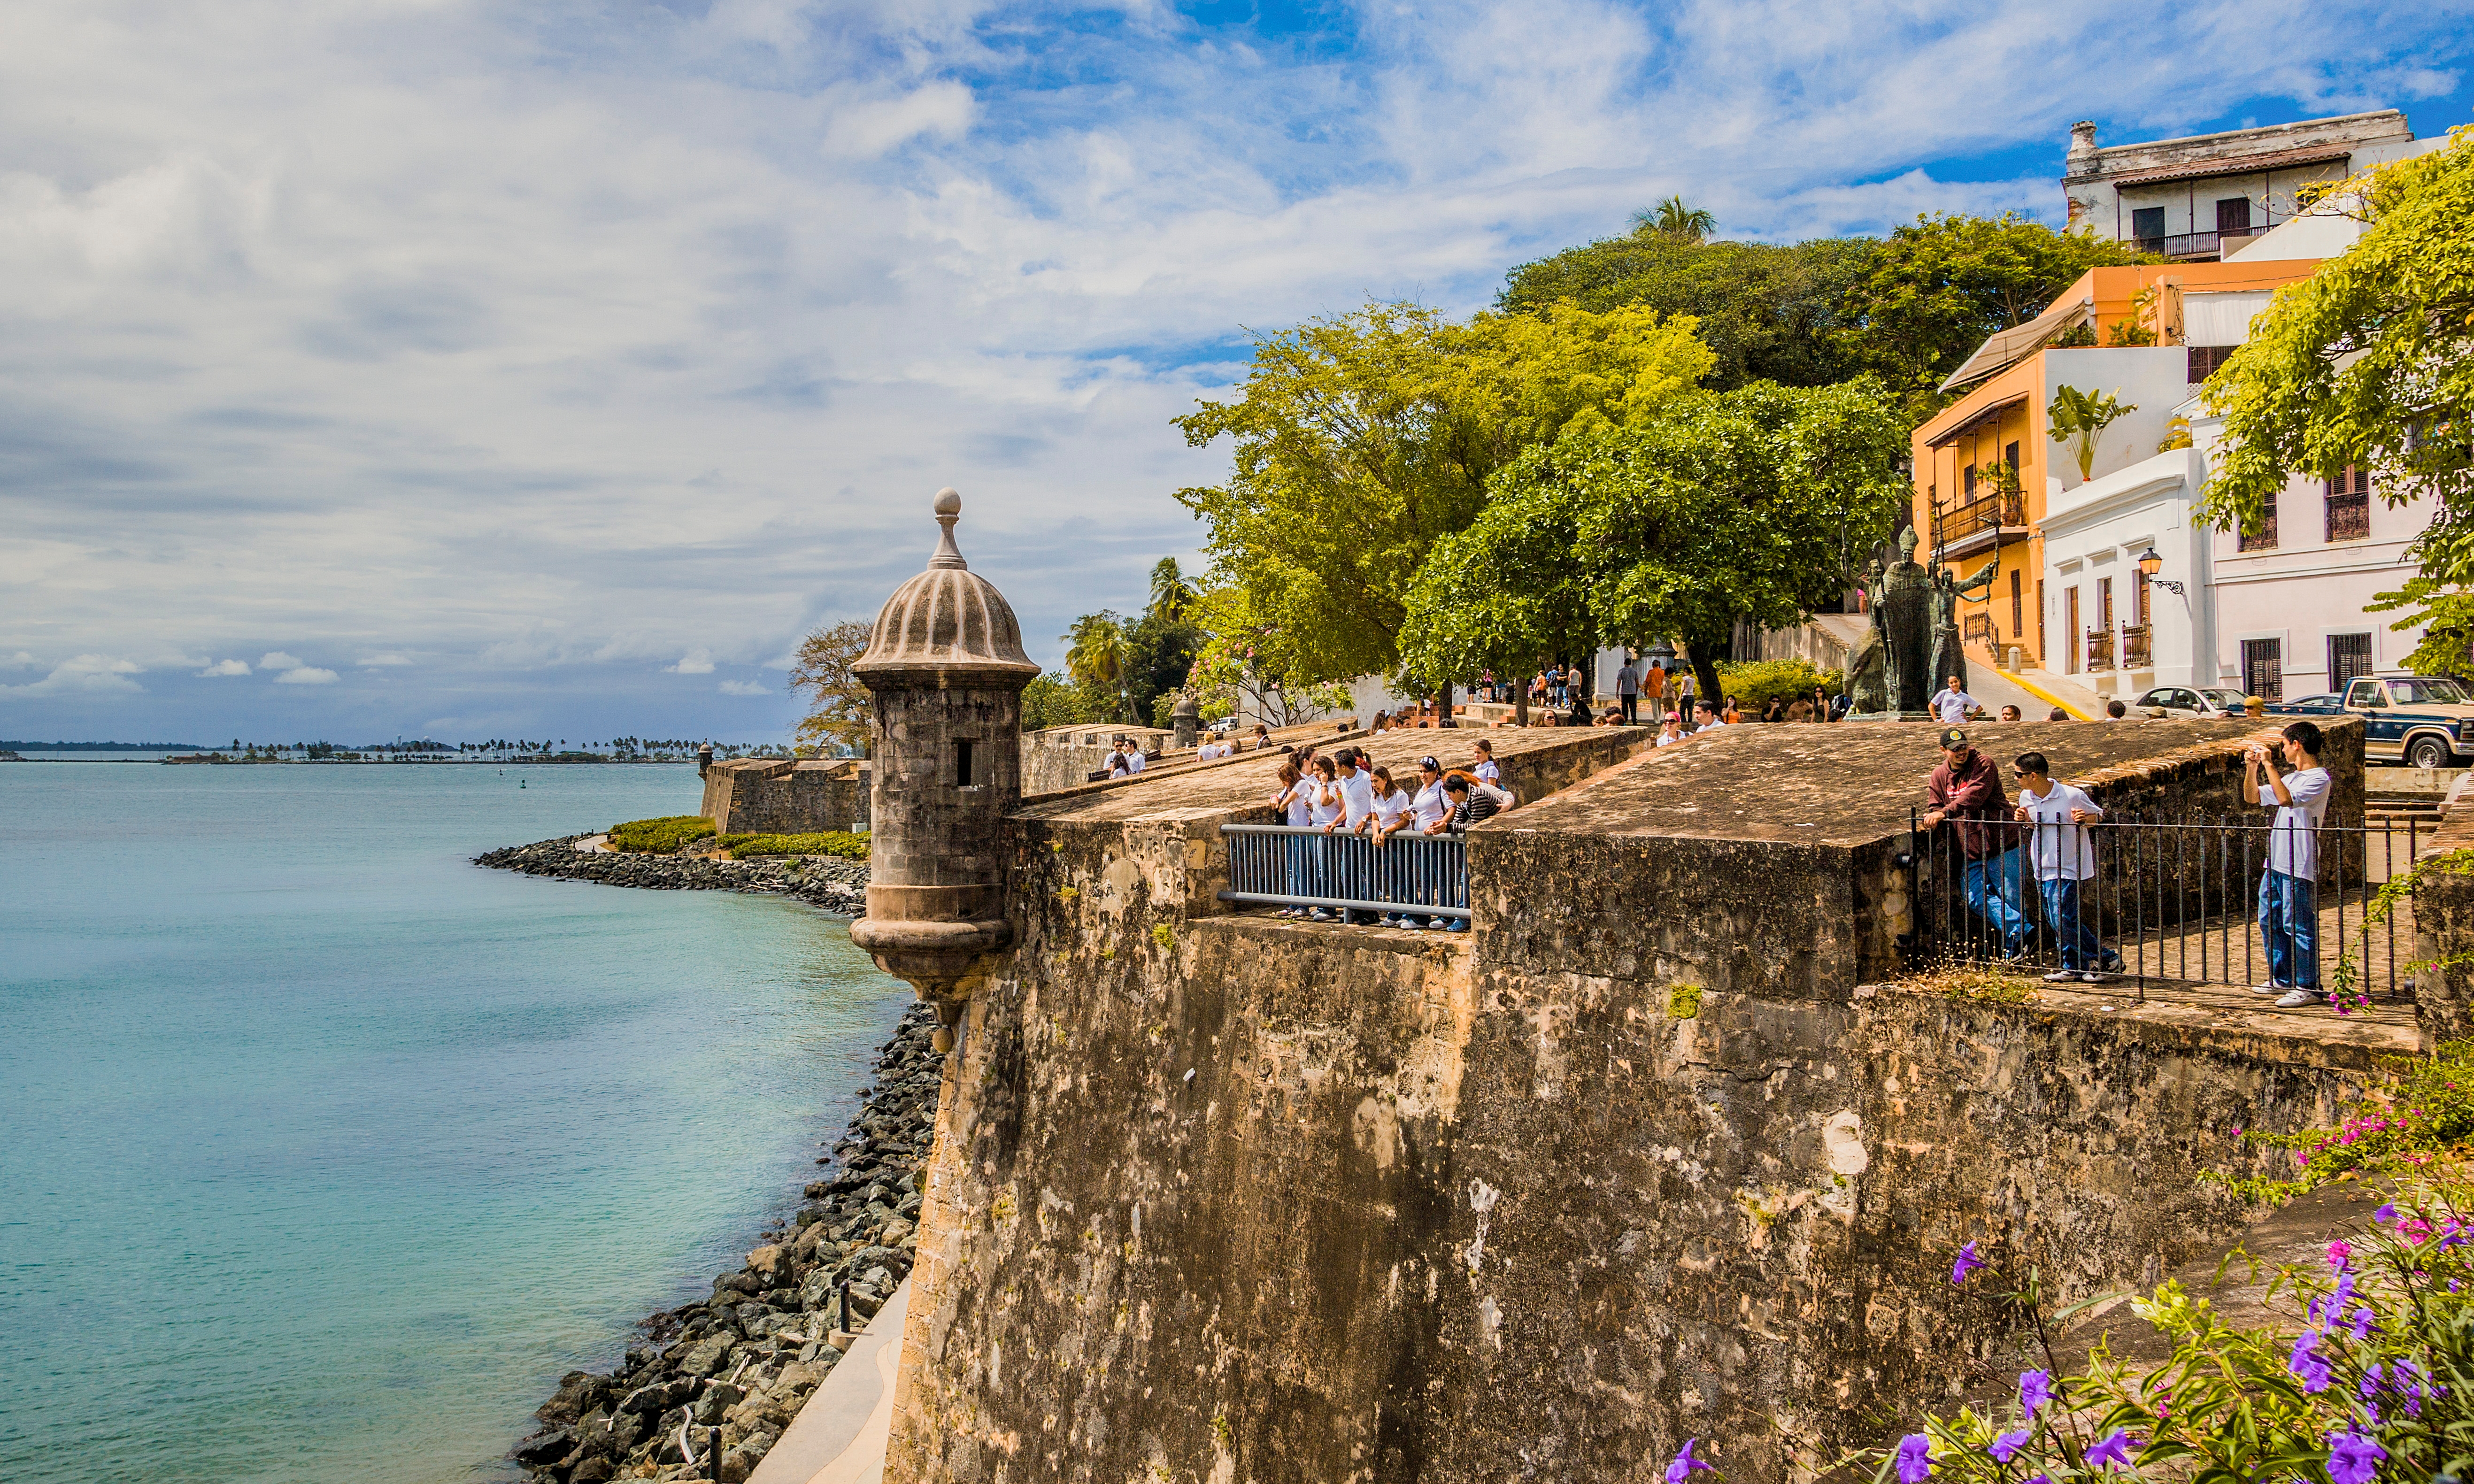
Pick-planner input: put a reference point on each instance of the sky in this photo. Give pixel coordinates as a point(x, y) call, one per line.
point(425, 368)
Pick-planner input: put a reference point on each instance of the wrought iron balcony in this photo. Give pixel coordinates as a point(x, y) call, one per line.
point(2099, 648)
point(1979, 524)
point(2134, 648)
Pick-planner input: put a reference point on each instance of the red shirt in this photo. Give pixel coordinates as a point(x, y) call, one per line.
point(1975, 800)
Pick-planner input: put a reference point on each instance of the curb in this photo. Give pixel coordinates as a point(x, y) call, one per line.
point(2020, 680)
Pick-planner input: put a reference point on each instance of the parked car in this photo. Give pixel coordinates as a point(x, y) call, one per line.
point(2181, 700)
point(2328, 704)
point(2420, 720)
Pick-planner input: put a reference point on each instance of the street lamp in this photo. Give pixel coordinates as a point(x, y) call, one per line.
point(2150, 564)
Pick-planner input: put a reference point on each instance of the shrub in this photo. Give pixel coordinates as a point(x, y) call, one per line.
point(2427, 1110)
point(1754, 682)
point(824, 842)
point(659, 836)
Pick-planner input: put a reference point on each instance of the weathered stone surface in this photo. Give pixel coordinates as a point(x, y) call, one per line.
point(779, 796)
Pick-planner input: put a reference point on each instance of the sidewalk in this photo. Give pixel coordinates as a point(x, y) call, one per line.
point(839, 1435)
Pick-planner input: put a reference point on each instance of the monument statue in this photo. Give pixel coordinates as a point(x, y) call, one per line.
point(1949, 650)
point(1913, 644)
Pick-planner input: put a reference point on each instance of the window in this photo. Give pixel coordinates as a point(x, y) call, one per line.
point(2011, 456)
point(2148, 228)
point(2349, 657)
point(1967, 482)
point(2018, 601)
point(2138, 598)
point(2202, 360)
point(2040, 618)
point(2233, 217)
point(2349, 505)
point(2070, 625)
point(961, 762)
point(2105, 602)
point(2428, 691)
point(2263, 665)
point(2265, 540)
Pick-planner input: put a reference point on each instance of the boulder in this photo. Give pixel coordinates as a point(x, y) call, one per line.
point(547, 1449)
point(771, 1260)
point(707, 1357)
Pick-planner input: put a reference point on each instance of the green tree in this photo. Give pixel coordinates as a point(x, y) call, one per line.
point(1171, 595)
point(1936, 290)
point(1767, 313)
point(2369, 364)
point(838, 709)
point(1363, 439)
point(1095, 656)
point(1054, 700)
point(2080, 417)
point(1754, 505)
point(1672, 218)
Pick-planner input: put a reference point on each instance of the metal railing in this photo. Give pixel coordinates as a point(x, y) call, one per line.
point(2165, 902)
point(2195, 244)
point(1986, 513)
point(2134, 647)
point(2099, 648)
point(1421, 875)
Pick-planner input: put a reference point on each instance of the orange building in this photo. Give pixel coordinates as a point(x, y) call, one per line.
point(1985, 466)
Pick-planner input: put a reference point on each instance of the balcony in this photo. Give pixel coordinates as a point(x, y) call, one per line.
point(2196, 245)
point(2134, 649)
point(2099, 650)
point(1979, 525)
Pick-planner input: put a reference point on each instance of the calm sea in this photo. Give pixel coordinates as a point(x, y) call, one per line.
point(323, 1152)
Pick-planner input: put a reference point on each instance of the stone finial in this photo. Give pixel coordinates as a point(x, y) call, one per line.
point(949, 509)
point(2082, 141)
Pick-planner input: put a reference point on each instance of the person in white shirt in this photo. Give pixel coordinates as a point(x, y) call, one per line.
point(1357, 805)
point(1670, 729)
point(2064, 852)
point(1390, 815)
point(1952, 706)
point(2288, 890)
point(1487, 768)
point(1295, 799)
point(1133, 755)
point(1705, 715)
point(1323, 812)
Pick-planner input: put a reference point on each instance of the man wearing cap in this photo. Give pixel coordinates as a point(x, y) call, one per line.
point(1967, 790)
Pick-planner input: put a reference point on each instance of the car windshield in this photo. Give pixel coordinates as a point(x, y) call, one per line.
point(2426, 692)
point(2229, 699)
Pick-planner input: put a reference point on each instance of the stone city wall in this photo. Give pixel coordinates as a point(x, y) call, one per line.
point(1648, 1155)
point(1065, 757)
point(779, 797)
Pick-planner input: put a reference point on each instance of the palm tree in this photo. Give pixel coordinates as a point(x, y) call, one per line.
point(1171, 595)
point(1672, 218)
point(1095, 653)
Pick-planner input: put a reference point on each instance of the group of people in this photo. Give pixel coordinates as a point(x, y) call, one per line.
point(2044, 831)
point(1346, 794)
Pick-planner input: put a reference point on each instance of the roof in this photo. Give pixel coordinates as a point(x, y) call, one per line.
point(946, 619)
point(2004, 348)
point(2242, 164)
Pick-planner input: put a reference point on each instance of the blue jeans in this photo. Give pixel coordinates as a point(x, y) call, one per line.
point(2082, 946)
point(1994, 885)
point(2289, 921)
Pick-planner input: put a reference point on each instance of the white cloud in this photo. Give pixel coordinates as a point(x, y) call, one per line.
point(85, 674)
point(224, 668)
point(382, 660)
point(696, 662)
point(305, 675)
point(744, 687)
point(276, 659)
point(22, 660)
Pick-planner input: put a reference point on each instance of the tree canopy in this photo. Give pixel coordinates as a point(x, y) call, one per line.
point(1754, 505)
point(838, 712)
point(1363, 439)
point(2369, 364)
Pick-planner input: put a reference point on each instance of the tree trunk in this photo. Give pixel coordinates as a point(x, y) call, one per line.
point(1444, 706)
point(1705, 672)
point(1520, 700)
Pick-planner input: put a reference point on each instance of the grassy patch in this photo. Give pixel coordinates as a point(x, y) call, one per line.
point(824, 842)
point(1973, 982)
point(659, 836)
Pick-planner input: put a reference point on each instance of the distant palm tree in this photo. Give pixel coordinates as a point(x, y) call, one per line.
point(1171, 595)
point(1095, 654)
point(1672, 218)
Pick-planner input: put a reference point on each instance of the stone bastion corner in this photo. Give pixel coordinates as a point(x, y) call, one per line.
point(1662, 1149)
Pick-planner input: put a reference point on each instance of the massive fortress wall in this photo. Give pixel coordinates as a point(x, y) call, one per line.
point(1650, 1153)
point(778, 796)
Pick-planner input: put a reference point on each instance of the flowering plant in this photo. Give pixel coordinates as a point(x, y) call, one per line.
point(2373, 1377)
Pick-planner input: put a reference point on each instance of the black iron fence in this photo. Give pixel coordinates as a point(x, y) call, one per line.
point(1418, 875)
point(2145, 902)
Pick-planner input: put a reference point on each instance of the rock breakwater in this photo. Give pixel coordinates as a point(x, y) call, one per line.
point(829, 882)
point(748, 1357)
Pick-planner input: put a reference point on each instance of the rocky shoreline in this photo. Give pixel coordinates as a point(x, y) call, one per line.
point(748, 1357)
point(830, 882)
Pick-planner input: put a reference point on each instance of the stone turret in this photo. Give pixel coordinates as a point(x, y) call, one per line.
point(945, 671)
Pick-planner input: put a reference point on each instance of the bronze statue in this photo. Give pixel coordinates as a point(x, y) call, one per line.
point(1913, 642)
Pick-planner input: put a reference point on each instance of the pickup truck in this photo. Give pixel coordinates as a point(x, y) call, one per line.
point(2420, 720)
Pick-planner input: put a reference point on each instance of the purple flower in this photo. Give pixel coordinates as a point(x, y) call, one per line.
point(2385, 1214)
point(2353, 1457)
point(1915, 1458)
point(2308, 1363)
point(1968, 1262)
point(2371, 1379)
point(2035, 1389)
point(1684, 1463)
point(2010, 1443)
point(2114, 1450)
point(2362, 1322)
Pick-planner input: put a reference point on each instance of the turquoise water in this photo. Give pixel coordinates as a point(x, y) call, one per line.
point(327, 1152)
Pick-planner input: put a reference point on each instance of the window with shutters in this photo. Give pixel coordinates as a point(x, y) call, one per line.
point(2148, 228)
point(2233, 217)
point(2349, 505)
point(2202, 360)
point(2018, 603)
point(2263, 664)
point(2349, 659)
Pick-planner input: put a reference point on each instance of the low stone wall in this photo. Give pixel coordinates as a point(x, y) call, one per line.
point(1065, 757)
point(779, 797)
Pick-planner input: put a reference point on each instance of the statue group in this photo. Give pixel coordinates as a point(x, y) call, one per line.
point(1913, 645)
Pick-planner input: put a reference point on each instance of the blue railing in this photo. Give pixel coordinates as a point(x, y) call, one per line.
point(1424, 875)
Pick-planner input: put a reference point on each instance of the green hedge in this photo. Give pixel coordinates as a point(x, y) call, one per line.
point(1753, 682)
point(827, 842)
point(659, 837)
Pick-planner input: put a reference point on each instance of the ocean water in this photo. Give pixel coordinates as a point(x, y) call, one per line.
point(324, 1152)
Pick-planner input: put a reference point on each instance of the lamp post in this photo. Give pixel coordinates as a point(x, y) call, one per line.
point(2150, 564)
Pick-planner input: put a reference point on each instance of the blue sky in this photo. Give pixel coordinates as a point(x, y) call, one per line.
point(430, 368)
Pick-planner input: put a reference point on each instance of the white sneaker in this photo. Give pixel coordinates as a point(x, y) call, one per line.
point(2098, 977)
point(2297, 999)
point(2062, 977)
